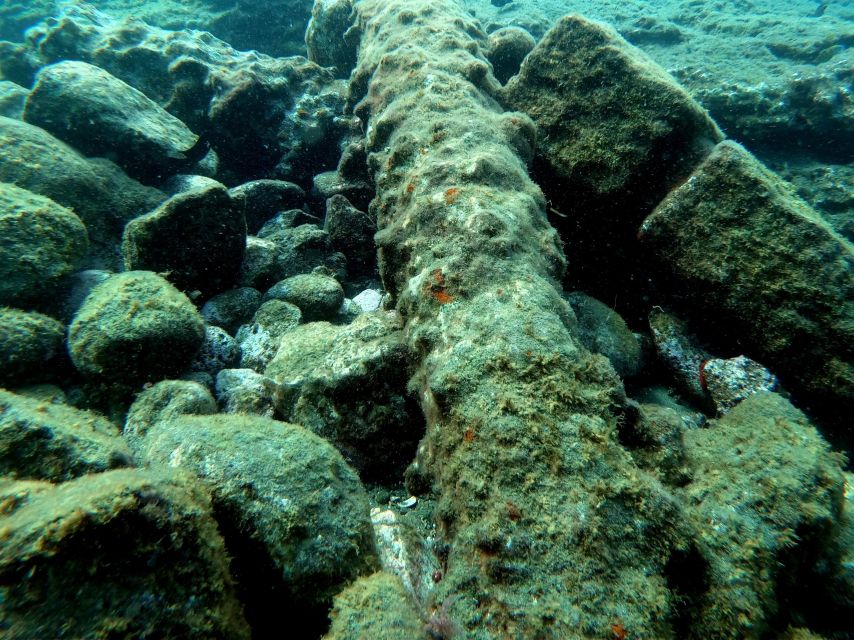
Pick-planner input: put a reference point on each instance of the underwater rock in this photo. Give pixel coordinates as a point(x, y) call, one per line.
point(245, 391)
point(352, 233)
point(259, 339)
point(286, 220)
point(100, 115)
point(32, 346)
point(764, 504)
point(348, 385)
point(96, 190)
point(375, 607)
point(232, 308)
point(737, 246)
point(404, 553)
point(288, 505)
point(165, 400)
point(368, 300)
point(260, 200)
point(121, 554)
point(332, 183)
point(218, 351)
point(196, 237)
point(655, 440)
point(259, 113)
point(679, 350)
point(135, 326)
point(731, 381)
point(288, 252)
point(506, 49)
point(329, 38)
point(12, 99)
point(44, 441)
point(41, 243)
point(615, 133)
point(602, 330)
point(317, 296)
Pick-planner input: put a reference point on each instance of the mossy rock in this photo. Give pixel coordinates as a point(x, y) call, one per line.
point(123, 554)
point(40, 243)
point(135, 326)
point(289, 506)
point(318, 296)
point(31, 347)
point(41, 440)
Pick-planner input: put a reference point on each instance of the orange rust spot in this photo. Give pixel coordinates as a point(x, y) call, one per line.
point(468, 436)
point(435, 288)
point(513, 512)
point(410, 187)
point(619, 631)
point(451, 195)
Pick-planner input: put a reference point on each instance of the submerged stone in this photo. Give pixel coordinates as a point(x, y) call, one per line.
point(735, 245)
point(135, 326)
point(41, 440)
point(100, 115)
point(41, 242)
point(290, 508)
point(32, 347)
point(121, 554)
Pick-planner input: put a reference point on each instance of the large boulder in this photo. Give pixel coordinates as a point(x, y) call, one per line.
point(100, 115)
point(41, 242)
point(615, 132)
point(763, 270)
point(198, 237)
point(123, 554)
point(290, 508)
point(135, 326)
point(40, 440)
point(94, 189)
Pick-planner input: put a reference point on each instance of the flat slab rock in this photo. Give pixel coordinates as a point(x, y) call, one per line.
point(100, 115)
point(737, 243)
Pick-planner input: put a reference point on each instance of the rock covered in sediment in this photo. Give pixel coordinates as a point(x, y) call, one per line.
point(247, 392)
point(375, 607)
point(602, 330)
point(615, 133)
point(196, 237)
point(100, 115)
point(32, 345)
point(12, 99)
point(260, 338)
point(732, 380)
point(41, 440)
point(123, 554)
point(96, 190)
point(681, 353)
point(165, 400)
point(347, 384)
point(260, 200)
point(764, 503)
point(290, 508)
point(41, 242)
point(737, 246)
point(352, 233)
point(218, 351)
point(232, 308)
point(329, 37)
point(317, 296)
point(135, 326)
point(507, 48)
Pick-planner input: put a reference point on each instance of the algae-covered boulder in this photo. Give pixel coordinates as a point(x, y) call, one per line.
point(375, 607)
point(259, 339)
point(40, 243)
point(507, 48)
point(94, 189)
point(602, 330)
point(232, 308)
point(763, 270)
point(352, 233)
point(165, 400)
point(765, 503)
point(123, 554)
point(40, 440)
point(99, 115)
point(348, 384)
point(289, 507)
point(198, 237)
point(260, 200)
point(31, 346)
point(328, 37)
point(135, 326)
point(615, 132)
point(317, 296)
